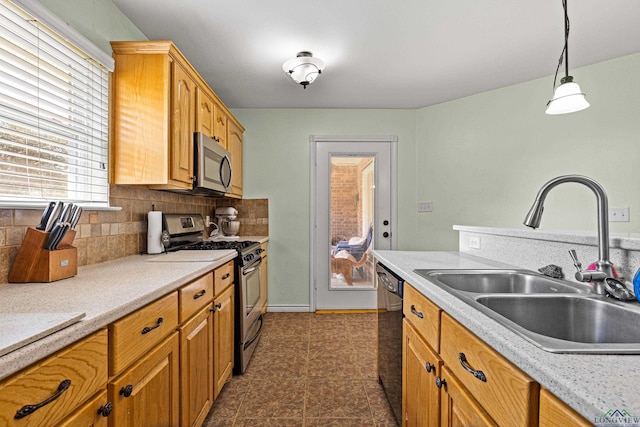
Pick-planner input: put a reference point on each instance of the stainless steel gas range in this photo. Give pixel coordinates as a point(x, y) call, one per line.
point(182, 232)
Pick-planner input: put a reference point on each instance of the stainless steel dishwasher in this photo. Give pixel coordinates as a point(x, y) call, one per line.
point(390, 317)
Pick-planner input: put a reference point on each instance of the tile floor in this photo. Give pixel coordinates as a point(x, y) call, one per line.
point(308, 370)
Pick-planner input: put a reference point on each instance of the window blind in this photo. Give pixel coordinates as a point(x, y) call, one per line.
point(53, 116)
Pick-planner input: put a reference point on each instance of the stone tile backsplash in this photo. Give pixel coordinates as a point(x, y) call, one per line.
point(106, 235)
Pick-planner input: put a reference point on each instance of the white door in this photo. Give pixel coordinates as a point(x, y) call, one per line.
point(353, 211)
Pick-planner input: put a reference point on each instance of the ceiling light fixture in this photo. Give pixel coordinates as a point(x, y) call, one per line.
point(567, 98)
point(304, 68)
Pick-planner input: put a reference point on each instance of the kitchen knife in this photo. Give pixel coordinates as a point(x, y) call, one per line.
point(45, 216)
point(75, 217)
point(54, 216)
point(60, 236)
point(66, 213)
point(54, 236)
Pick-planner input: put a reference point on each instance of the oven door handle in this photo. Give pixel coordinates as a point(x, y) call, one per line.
point(256, 335)
point(252, 269)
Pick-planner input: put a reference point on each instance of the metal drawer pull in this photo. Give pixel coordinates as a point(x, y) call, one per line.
point(478, 374)
point(226, 276)
point(429, 367)
point(148, 329)
point(216, 307)
point(105, 409)
point(200, 294)
point(30, 409)
point(440, 382)
point(416, 312)
point(126, 390)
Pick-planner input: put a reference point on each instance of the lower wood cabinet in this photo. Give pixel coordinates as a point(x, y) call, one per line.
point(459, 408)
point(57, 386)
point(420, 367)
point(94, 413)
point(554, 413)
point(196, 368)
point(223, 330)
point(147, 393)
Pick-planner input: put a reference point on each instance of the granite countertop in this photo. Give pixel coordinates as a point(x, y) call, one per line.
point(591, 384)
point(105, 292)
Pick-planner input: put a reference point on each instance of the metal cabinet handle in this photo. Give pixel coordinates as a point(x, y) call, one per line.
point(429, 367)
point(200, 294)
point(126, 390)
point(440, 382)
point(216, 307)
point(226, 276)
point(478, 374)
point(148, 329)
point(30, 409)
point(105, 409)
point(416, 312)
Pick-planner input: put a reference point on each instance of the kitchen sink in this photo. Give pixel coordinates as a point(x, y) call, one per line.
point(555, 315)
point(500, 281)
point(568, 323)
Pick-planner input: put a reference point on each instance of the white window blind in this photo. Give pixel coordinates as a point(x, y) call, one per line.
point(53, 116)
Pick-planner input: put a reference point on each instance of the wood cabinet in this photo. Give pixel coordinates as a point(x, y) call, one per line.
point(264, 275)
point(234, 146)
point(196, 368)
point(420, 367)
point(158, 101)
point(57, 386)
point(459, 407)
point(554, 413)
point(147, 394)
point(223, 339)
point(94, 413)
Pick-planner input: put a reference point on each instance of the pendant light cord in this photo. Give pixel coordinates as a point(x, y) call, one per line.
point(564, 55)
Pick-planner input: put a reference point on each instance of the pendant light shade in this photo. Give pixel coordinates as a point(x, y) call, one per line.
point(567, 98)
point(304, 69)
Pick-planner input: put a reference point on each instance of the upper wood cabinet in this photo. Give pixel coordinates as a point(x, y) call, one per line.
point(158, 101)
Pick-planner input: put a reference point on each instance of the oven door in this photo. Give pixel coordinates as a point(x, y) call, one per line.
point(250, 296)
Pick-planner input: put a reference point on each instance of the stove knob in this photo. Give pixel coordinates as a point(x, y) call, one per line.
point(249, 258)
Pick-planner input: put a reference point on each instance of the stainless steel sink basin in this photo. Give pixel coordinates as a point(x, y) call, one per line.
point(500, 281)
point(568, 323)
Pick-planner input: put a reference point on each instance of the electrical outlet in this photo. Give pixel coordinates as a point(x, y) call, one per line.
point(618, 214)
point(425, 206)
point(474, 242)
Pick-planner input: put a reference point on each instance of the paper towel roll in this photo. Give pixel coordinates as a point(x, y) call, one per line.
point(154, 233)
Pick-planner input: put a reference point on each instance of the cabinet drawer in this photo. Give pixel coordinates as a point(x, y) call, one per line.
point(133, 335)
point(73, 375)
point(554, 412)
point(423, 315)
point(507, 394)
point(195, 295)
point(223, 276)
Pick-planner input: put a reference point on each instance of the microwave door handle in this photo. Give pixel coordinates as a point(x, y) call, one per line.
point(226, 160)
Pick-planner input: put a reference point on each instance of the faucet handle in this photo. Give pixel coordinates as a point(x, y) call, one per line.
point(576, 261)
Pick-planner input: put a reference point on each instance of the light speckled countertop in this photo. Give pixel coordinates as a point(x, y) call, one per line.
point(105, 292)
point(591, 384)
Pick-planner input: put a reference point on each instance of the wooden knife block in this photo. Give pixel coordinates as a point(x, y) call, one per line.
point(36, 264)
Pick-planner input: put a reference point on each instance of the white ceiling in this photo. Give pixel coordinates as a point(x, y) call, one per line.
point(383, 53)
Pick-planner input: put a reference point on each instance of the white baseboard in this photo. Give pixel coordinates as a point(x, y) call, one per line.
point(281, 308)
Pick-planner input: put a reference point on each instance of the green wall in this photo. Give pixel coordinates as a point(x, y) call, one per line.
point(479, 159)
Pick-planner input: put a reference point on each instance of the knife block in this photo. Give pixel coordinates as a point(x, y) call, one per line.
point(36, 264)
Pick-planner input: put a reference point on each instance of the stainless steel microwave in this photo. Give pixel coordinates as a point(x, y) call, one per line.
point(212, 166)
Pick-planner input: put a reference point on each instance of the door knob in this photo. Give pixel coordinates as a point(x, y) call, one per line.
point(385, 234)
point(385, 222)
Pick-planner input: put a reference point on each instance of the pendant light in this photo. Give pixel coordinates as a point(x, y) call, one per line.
point(304, 69)
point(567, 98)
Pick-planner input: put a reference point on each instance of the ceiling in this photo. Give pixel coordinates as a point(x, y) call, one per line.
point(383, 53)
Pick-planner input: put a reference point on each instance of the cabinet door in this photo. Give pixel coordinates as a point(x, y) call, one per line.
point(458, 407)
point(234, 146)
point(182, 125)
point(93, 414)
point(263, 278)
point(554, 413)
point(222, 339)
point(420, 367)
point(220, 126)
point(196, 368)
point(204, 113)
point(147, 394)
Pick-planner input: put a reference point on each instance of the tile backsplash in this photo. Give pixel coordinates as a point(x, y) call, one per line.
point(107, 235)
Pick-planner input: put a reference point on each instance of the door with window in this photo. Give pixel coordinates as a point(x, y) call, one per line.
point(353, 212)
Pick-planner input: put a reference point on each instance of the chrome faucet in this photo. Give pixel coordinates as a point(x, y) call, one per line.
point(604, 267)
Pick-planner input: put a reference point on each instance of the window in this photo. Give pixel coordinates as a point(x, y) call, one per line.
point(53, 116)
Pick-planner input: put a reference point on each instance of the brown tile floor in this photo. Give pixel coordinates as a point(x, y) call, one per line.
point(308, 370)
